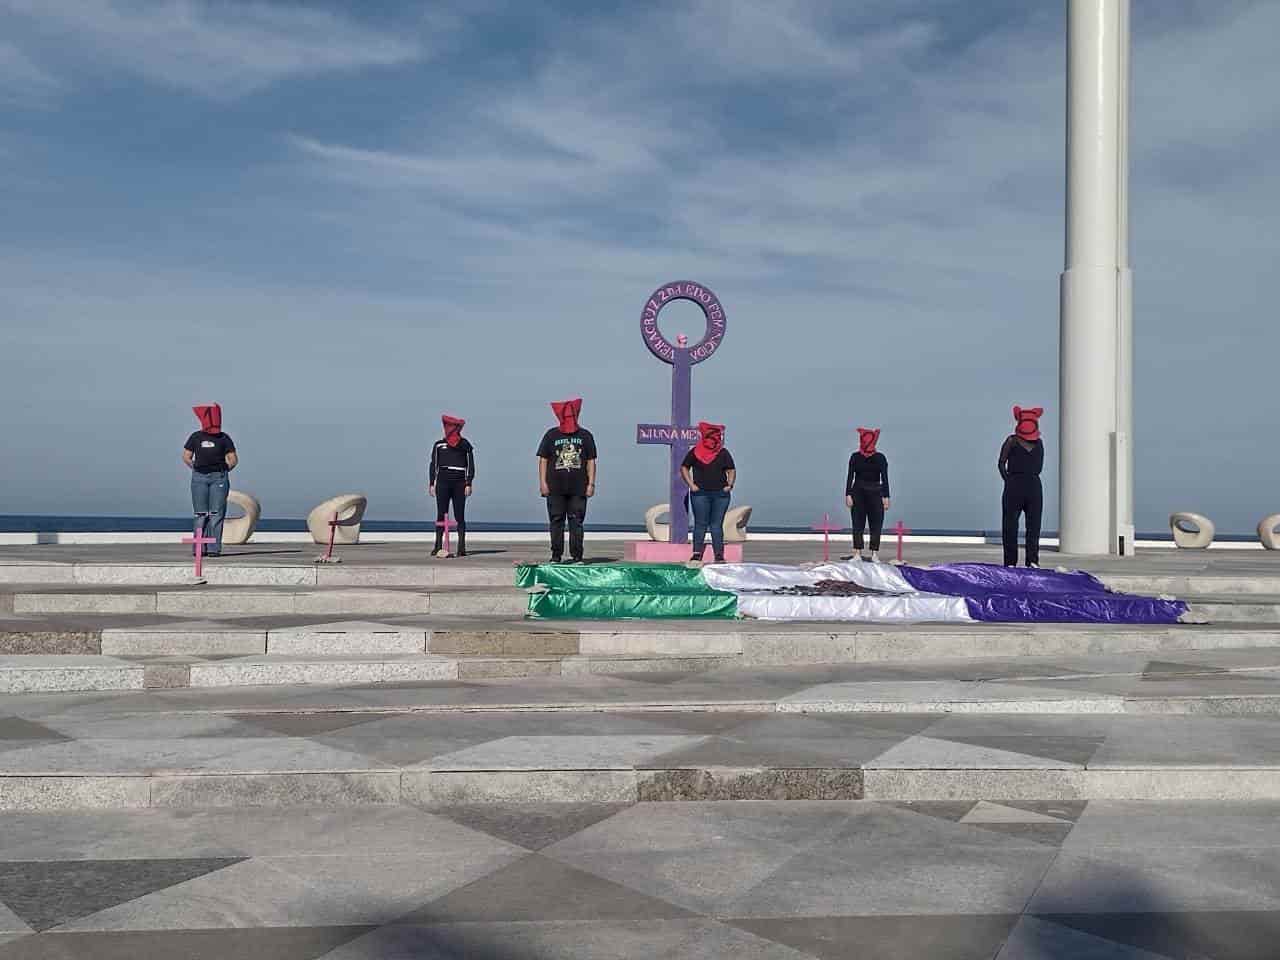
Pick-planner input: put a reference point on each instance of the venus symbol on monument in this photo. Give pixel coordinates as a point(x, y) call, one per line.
point(679, 434)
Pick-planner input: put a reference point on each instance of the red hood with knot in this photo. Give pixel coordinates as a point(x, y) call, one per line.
point(566, 412)
point(1028, 422)
point(711, 442)
point(867, 440)
point(452, 429)
point(210, 417)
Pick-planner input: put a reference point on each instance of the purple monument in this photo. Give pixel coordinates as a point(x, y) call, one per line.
point(680, 435)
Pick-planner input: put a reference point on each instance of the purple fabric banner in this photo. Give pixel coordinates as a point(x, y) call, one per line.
point(1020, 595)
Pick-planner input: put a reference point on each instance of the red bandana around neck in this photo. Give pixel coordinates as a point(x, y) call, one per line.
point(210, 417)
point(452, 429)
point(711, 442)
point(1028, 420)
point(566, 412)
point(867, 441)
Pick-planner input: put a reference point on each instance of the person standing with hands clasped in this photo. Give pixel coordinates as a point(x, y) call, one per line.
point(866, 492)
point(710, 474)
point(449, 479)
point(211, 456)
point(567, 478)
point(1020, 463)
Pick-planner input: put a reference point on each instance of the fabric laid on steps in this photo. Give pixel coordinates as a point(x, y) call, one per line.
point(1020, 595)
point(914, 608)
point(622, 591)
point(651, 577)
point(622, 605)
point(756, 577)
point(986, 592)
point(894, 599)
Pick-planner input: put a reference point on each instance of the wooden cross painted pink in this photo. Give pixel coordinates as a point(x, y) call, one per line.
point(901, 531)
point(827, 529)
point(448, 525)
point(198, 540)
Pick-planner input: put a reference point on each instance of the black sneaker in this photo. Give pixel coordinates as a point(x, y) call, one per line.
point(462, 553)
point(576, 560)
point(558, 560)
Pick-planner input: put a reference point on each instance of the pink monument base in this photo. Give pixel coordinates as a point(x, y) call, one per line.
point(651, 551)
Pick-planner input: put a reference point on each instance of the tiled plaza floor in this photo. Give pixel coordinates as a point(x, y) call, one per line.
point(749, 881)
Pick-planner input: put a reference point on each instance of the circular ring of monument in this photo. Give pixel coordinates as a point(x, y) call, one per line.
point(712, 310)
point(1191, 531)
point(1268, 533)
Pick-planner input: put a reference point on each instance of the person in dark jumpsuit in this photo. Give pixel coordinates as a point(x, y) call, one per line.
point(866, 493)
point(452, 471)
point(1021, 461)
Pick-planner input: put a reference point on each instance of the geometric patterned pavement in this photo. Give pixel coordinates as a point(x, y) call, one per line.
point(747, 880)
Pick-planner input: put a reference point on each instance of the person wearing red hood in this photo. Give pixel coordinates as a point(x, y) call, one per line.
point(710, 474)
point(449, 479)
point(1020, 463)
point(211, 456)
point(567, 478)
point(866, 492)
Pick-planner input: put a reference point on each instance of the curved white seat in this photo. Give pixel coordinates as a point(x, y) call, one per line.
point(349, 508)
point(1269, 531)
point(735, 523)
point(1191, 531)
point(240, 529)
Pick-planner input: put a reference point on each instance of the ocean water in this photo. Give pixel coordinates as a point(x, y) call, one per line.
point(26, 523)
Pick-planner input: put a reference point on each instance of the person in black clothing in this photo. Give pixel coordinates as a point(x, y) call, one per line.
point(449, 478)
point(1020, 463)
point(211, 455)
point(567, 478)
point(710, 474)
point(866, 492)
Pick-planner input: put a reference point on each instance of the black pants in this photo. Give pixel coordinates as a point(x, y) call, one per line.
point(451, 491)
point(1022, 494)
point(560, 506)
point(868, 507)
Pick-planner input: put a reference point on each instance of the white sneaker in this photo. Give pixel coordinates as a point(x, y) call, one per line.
point(875, 556)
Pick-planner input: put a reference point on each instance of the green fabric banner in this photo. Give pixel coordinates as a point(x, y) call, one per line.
point(635, 577)
point(620, 591)
point(601, 605)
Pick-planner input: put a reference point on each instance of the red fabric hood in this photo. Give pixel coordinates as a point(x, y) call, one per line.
point(1028, 420)
point(452, 429)
point(210, 417)
point(566, 412)
point(711, 442)
point(867, 441)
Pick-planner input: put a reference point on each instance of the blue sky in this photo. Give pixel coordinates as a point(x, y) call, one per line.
point(340, 219)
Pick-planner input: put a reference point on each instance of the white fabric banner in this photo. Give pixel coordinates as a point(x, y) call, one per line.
point(865, 609)
point(746, 577)
point(901, 603)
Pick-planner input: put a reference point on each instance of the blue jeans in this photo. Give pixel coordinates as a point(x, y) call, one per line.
point(709, 509)
point(209, 495)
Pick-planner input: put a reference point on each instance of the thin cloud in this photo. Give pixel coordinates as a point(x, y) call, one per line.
point(216, 50)
point(22, 81)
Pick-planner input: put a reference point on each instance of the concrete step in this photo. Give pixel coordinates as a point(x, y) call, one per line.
point(427, 573)
point(209, 601)
point(193, 761)
point(745, 643)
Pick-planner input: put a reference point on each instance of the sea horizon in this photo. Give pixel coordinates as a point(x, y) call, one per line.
point(95, 523)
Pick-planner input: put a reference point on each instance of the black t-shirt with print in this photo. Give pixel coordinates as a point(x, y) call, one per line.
point(567, 455)
point(209, 451)
point(710, 477)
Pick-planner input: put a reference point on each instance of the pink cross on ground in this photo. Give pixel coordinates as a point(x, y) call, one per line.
point(827, 529)
point(901, 531)
point(448, 525)
point(328, 551)
point(198, 540)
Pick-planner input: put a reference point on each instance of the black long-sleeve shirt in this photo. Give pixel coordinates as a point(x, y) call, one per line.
point(868, 473)
point(452, 463)
point(1017, 461)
